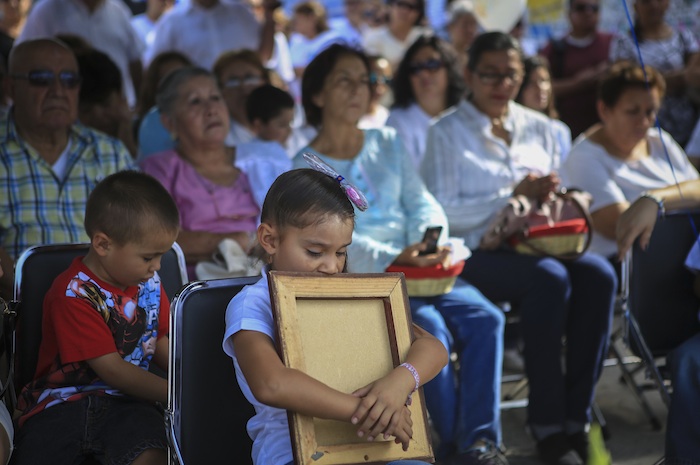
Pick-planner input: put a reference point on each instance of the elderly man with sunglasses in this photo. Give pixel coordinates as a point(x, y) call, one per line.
point(577, 61)
point(49, 162)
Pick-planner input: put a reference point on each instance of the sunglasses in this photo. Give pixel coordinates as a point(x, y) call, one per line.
point(39, 78)
point(375, 79)
point(428, 65)
point(406, 5)
point(584, 7)
point(243, 81)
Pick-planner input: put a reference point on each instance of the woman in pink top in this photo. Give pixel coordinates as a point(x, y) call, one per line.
point(213, 195)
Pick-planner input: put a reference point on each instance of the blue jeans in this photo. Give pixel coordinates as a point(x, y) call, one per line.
point(469, 324)
point(555, 299)
point(683, 429)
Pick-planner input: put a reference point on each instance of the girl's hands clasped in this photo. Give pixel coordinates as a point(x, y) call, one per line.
point(383, 408)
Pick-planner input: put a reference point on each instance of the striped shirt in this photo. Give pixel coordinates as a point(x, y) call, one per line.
point(36, 206)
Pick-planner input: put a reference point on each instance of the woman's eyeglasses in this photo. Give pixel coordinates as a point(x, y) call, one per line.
point(428, 65)
point(584, 7)
point(492, 79)
point(243, 81)
point(41, 78)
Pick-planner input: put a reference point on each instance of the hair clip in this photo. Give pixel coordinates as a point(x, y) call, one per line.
point(354, 194)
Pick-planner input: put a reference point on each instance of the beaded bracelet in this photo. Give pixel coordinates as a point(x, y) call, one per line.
point(658, 200)
point(416, 377)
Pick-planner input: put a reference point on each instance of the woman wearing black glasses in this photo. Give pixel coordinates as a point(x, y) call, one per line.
point(486, 150)
point(427, 83)
point(403, 27)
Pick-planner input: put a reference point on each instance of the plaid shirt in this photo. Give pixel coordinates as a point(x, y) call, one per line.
point(36, 207)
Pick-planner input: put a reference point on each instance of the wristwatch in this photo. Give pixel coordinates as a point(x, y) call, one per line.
point(656, 199)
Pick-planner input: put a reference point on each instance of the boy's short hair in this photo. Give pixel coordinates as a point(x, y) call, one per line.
point(127, 204)
point(267, 102)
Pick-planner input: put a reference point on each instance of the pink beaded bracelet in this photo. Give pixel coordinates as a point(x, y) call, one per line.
point(416, 377)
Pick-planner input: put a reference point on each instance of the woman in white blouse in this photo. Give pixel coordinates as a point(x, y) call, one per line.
point(477, 156)
point(624, 156)
point(427, 83)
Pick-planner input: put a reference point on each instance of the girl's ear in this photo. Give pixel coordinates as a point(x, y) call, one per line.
point(101, 243)
point(268, 238)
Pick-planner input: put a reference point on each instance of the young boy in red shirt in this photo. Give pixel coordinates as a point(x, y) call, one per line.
point(105, 319)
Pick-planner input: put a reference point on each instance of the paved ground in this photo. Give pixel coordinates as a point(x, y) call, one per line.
point(632, 439)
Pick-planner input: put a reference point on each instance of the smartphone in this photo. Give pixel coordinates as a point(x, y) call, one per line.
point(430, 239)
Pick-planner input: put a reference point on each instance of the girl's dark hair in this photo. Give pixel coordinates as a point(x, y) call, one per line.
point(492, 42)
point(401, 83)
point(624, 75)
point(301, 198)
point(315, 76)
point(530, 64)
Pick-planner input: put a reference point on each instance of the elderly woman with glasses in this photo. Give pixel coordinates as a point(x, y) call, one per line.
point(213, 195)
point(404, 26)
point(486, 150)
point(427, 83)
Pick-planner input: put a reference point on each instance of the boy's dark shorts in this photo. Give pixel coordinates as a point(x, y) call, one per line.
point(114, 430)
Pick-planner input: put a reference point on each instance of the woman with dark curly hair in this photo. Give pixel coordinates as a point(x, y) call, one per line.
point(427, 82)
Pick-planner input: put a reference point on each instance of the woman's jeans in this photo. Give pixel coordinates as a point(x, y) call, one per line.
point(683, 429)
point(466, 409)
point(555, 299)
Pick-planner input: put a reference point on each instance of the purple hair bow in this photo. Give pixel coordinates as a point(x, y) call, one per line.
point(354, 194)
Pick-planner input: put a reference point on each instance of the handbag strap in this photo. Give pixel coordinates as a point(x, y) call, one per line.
point(566, 195)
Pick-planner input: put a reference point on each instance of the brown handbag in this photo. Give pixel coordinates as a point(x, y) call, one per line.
point(558, 227)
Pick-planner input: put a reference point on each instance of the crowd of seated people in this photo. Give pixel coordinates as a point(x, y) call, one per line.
point(433, 134)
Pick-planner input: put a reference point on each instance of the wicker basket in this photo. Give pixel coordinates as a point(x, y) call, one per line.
point(429, 281)
point(564, 238)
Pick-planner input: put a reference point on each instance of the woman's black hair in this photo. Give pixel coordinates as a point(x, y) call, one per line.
point(301, 198)
point(492, 42)
point(315, 76)
point(401, 83)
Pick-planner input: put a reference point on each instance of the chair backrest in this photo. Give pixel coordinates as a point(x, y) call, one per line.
point(203, 392)
point(35, 272)
point(661, 287)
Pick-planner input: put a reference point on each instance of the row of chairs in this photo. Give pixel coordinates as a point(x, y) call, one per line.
point(659, 309)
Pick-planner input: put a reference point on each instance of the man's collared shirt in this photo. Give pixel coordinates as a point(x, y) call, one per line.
point(38, 207)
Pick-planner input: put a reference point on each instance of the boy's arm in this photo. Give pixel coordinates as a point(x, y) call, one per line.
point(160, 357)
point(130, 379)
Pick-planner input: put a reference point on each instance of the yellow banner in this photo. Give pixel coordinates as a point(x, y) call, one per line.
point(545, 11)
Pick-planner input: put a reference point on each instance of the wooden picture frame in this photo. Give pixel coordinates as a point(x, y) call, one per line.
point(314, 316)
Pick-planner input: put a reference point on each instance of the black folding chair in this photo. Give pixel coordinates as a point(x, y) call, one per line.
point(659, 305)
point(202, 388)
point(35, 272)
